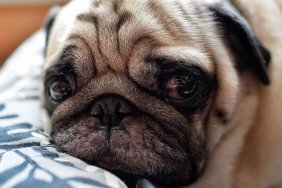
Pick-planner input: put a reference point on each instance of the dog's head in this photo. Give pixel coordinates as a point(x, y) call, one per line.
point(147, 87)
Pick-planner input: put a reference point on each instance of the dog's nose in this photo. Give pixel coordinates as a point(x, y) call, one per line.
point(111, 110)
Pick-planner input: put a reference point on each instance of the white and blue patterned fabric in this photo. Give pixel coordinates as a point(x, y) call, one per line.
point(28, 157)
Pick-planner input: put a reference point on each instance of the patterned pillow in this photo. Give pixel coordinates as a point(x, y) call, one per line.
point(28, 157)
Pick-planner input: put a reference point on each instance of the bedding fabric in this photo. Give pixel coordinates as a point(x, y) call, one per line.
point(28, 157)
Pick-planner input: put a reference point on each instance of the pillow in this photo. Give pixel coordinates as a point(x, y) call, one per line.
point(28, 157)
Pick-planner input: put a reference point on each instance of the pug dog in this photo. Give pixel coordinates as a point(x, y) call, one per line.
point(165, 90)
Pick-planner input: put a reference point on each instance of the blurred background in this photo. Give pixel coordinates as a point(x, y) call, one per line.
point(19, 19)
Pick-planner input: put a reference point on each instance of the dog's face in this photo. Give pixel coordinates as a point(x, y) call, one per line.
point(145, 87)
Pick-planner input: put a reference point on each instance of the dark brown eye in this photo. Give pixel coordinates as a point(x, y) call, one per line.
point(180, 87)
point(59, 90)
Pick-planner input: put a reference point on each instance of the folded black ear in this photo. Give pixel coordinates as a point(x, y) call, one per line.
point(51, 17)
point(239, 36)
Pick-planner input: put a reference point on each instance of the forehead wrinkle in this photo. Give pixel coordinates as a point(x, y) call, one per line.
point(87, 28)
point(110, 19)
point(128, 36)
point(156, 27)
point(139, 25)
point(91, 19)
point(123, 18)
point(107, 24)
point(123, 37)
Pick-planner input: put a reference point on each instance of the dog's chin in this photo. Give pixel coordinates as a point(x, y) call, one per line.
point(135, 150)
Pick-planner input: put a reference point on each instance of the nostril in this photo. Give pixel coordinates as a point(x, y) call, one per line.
point(98, 111)
point(111, 110)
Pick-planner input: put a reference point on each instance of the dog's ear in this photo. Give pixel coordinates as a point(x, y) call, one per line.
point(248, 50)
point(51, 17)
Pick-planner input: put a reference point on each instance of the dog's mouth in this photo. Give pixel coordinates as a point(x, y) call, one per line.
point(141, 149)
point(137, 154)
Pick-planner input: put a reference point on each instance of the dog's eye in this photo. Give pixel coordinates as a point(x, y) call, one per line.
point(60, 90)
point(180, 87)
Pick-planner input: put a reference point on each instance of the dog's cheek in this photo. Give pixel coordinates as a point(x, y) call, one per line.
point(79, 137)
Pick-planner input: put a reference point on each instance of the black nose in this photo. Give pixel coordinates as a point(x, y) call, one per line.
point(111, 110)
